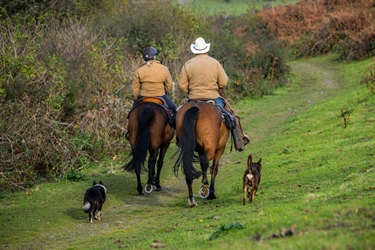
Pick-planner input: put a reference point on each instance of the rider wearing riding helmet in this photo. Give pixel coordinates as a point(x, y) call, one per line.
point(152, 79)
point(202, 77)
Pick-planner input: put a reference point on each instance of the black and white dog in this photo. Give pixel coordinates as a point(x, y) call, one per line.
point(94, 200)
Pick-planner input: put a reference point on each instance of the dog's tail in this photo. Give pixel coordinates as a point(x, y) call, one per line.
point(249, 161)
point(87, 206)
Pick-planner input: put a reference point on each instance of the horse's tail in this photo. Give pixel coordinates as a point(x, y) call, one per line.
point(187, 145)
point(139, 152)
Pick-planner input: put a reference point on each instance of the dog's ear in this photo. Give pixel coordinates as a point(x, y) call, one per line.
point(100, 182)
point(260, 160)
point(94, 183)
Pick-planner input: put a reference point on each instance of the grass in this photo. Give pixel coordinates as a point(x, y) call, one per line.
point(231, 7)
point(317, 189)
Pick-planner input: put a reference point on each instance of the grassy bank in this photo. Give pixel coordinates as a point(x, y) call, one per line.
point(317, 189)
point(230, 7)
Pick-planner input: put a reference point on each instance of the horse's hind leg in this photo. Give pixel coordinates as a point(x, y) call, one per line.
point(191, 199)
point(139, 184)
point(214, 170)
point(151, 170)
point(163, 151)
point(204, 191)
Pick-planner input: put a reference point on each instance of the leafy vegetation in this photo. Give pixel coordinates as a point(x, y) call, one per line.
point(65, 77)
point(313, 28)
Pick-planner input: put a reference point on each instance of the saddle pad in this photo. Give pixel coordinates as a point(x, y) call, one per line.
point(151, 99)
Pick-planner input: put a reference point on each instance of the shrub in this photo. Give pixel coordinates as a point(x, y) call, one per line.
point(317, 27)
point(368, 79)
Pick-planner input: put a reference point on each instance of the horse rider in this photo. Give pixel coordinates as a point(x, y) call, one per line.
point(202, 77)
point(152, 79)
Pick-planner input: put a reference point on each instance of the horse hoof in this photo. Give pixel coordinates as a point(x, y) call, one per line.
point(212, 196)
point(204, 192)
point(158, 189)
point(192, 203)
point(149, 188)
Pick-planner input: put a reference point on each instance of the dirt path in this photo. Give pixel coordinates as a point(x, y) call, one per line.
point(316, 83)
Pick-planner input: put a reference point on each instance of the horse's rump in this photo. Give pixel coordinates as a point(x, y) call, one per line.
point(149, 132)
point(200, 128)
point(147, 127)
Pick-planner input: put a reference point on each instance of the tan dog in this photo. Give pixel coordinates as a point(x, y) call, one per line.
point(251, 178)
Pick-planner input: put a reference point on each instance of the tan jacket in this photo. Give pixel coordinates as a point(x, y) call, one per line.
point(151, 79)
point(201, 77)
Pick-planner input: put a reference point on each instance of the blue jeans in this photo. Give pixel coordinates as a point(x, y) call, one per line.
point(170, 104)
point(219, 101)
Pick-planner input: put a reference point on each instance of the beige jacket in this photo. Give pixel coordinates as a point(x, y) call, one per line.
point(201, 77)
point(151, 79)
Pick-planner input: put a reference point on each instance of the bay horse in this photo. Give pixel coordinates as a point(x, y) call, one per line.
point(149, 131)
point(201, 135)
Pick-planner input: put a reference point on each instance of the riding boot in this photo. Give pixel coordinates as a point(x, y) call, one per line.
point(172, 121)
point(240, 139)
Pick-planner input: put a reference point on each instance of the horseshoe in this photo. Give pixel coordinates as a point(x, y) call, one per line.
point(149, 188)
point(204, 192)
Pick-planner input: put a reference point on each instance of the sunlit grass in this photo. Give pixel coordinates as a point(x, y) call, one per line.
point(230, 7)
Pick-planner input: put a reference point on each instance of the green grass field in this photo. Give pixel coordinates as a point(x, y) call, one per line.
point(317, 189)
point(230, 7)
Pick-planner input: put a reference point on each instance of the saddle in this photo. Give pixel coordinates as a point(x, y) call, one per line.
point(157, 100)
point(227, 116)
point(153, 99)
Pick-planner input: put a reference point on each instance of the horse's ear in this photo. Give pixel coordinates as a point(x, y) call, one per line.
point(94, 183)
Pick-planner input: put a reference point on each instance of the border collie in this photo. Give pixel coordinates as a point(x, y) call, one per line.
point(94, 200)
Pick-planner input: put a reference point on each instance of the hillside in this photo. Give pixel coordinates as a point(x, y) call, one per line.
point(317, 182)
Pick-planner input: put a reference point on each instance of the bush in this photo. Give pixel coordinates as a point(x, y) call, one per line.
point(317, 27)
point(368, 79)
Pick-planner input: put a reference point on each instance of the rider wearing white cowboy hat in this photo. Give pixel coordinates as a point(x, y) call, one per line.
point(200, 46)
point(202, 77)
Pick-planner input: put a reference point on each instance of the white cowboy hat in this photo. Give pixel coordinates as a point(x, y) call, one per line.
point(200, 46)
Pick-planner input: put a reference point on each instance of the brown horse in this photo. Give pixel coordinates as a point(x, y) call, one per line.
point(200, 129)
point(150, 131)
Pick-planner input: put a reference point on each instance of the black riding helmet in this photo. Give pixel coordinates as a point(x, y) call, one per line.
point(149, 53)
